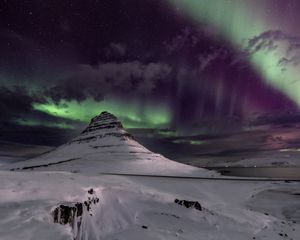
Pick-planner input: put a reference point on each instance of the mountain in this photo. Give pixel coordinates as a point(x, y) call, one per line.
point(106, 147)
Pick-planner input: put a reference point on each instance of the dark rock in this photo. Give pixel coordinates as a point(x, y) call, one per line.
point(72, 214)
point(90, 201)
point(91, 191)
point(145, 227)
point(66, 214)
point(79, 208)
point(44, 165)
point(171, 215)
point(189, 204)
point(104, 121)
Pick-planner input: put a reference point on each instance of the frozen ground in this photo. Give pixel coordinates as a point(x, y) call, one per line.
point(33, 196)
point(272, 158)
point(231, 210)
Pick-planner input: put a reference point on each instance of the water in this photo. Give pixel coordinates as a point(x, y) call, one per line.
point(261, 172)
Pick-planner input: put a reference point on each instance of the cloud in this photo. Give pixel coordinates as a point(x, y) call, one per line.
point(280, 118)
point(125, 78)
point(288, 46)
point(16, 109)
point(187, 36)
point(40, 134)
point(207, 59)
point(265, 41)
point(16, 101)
point(199, 48)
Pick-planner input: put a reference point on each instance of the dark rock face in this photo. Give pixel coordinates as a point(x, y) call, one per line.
point(189, 204)
point(66, 214)
point(91, 191)
point(101, 126)
point(73, 214)
point(105, 120)
point(91, 200)
point(44, 165)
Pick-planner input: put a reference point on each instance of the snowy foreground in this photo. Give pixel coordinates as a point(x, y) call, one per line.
point(65, 195)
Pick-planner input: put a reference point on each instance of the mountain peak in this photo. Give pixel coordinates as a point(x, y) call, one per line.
point(104, 120)
point(102, 126)
point(104, 116)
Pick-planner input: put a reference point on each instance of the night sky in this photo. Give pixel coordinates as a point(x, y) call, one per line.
point(190, 66)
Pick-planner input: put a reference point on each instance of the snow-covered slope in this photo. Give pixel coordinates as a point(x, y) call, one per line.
point(104, 146)
point(137, 208)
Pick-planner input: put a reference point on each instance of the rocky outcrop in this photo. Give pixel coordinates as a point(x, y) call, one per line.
point(105, 120)
point(64, 214)
point(74, 214)
point(189, 204)
point(102, 126)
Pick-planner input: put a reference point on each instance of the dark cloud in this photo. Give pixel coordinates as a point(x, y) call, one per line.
point(16, 106)
point(110, 78)
point(265, 41)
point(195, 45)
point(17, 101)
point(207, 59)
point(280, 118)
point(39, 135)
point(16, 110)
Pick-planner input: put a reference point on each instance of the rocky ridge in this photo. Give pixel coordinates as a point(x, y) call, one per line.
point(101, 126)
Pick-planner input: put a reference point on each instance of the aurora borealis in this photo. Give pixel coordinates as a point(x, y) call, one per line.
point(265, 30)
point(191, 66)
point(128, 112)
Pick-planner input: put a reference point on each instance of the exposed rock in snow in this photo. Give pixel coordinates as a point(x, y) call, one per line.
point(64, 214)
point(102, 126)
point(189, 204)
point(75, 214)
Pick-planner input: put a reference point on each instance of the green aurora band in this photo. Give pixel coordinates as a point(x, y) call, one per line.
point(130, 113)
point(36, 123)
point(238, 21)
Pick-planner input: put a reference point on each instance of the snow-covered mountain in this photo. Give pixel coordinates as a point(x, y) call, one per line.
point(106, 147)
point(63, 195)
